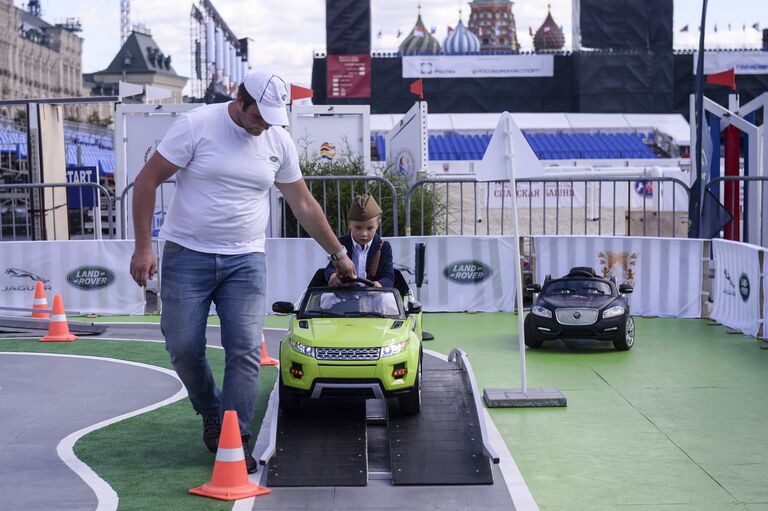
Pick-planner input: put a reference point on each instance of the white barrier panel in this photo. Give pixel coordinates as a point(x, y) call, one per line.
point(736, 292)
point(765, 295)
point(91, 275)
point(291, 263)
point(665, 272)
point(463, 273)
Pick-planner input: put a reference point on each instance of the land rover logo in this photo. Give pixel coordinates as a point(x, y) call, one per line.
point(91, 277)
point(576, 315)
point(744, 287)
point(467, 272)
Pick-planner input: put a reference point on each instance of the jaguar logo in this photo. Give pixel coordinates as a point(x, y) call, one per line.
point(467, 272)
point(577, 315)
point(90, 278)
point(24, 274)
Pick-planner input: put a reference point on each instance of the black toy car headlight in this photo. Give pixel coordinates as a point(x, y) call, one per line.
point(612, 312)
point(302, 348)
point(538, 310)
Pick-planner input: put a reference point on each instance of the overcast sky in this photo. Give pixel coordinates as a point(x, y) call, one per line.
point(285, 33)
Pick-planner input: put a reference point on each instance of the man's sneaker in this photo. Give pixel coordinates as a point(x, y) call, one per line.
point(250, 462)
point(211, 432)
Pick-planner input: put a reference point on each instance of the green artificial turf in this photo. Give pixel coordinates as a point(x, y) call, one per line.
point(150, 460)
point(677, 423)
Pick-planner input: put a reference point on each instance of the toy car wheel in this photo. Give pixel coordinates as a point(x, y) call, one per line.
point(410, 402)
point(531, 339)
point(625, 337)
point(289, 401)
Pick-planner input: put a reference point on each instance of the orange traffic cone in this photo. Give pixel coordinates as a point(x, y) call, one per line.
point(266, 360)
point(230, 477)
point(58, 329)
point(40, 303)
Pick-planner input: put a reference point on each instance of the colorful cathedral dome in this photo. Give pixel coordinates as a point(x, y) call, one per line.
point(461, 40)
point(549, 37)
point(419, 40)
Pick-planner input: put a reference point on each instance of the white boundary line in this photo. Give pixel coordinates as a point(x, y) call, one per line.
point(518, 491)
point(106, 496)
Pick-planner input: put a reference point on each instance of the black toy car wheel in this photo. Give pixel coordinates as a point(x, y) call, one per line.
point(410, 402)
point(625, 336)
point(531, 339)
point(289, 402)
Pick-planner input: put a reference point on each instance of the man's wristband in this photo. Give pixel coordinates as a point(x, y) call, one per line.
point(338, 255)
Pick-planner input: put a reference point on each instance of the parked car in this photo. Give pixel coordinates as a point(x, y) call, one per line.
point(580, 305)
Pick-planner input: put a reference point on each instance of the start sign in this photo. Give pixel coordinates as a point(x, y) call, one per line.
point(82, 196)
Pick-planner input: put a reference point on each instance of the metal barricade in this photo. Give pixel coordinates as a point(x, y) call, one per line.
point(730, 190)
point(161, 202)
point(617, 206)
point(329, 194)
point(18, 216)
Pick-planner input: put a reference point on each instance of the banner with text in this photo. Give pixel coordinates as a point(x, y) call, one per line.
point(743, 62)
point(478, 66)
point(666, 273)
point(91, 275)
point(736, 292)
point(463, 273)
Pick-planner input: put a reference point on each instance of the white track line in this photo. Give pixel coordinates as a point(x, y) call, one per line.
point(518, 490)
point(107, 497)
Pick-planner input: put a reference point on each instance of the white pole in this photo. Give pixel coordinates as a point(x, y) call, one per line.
point(516, 252)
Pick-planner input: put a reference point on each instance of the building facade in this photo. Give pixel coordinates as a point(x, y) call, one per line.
point(37, 59)
point(494, 24)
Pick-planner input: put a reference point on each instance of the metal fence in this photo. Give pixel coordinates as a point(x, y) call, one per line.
point(29, 211)
point(617, 206)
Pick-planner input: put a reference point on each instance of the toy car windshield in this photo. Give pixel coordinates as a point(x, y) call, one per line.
point(352, 302)
point(578, 287)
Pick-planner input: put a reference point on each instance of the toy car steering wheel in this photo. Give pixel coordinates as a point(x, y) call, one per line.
point(358, 280)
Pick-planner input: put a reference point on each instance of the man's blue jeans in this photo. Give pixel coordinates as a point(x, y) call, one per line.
point(236, 284)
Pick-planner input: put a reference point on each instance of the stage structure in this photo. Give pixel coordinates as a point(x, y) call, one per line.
point(749, 198)
point(219, 58)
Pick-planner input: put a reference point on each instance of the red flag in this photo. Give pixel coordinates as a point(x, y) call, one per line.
point(725, 78)
point(299, 92)
point(416, 88)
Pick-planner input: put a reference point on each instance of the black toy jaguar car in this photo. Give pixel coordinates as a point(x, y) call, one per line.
point(580, 305)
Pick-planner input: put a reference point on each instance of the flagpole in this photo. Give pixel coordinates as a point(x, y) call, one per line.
point(695, 230)
point(516, 254)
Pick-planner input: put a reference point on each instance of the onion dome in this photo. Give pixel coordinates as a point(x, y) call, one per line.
point(419, 40)
point(461, 40)
point(549, 37)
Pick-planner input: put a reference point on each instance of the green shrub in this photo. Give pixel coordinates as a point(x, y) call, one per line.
point(335, 197)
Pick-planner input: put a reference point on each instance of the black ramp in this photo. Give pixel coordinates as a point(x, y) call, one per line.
point(324, 445)
point(442, 444)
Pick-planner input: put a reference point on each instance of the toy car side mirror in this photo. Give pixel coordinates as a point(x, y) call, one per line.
point(414, 307)
point(282, 307)
point(625, 289)
point(533, 288)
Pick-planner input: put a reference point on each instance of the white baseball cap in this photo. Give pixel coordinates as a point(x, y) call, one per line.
point(271, 95)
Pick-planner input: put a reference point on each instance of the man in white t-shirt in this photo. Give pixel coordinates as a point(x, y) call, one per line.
point(224, 157)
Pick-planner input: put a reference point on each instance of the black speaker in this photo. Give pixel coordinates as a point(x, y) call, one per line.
point(419, 263)
point(348, 27)
point(765, 38)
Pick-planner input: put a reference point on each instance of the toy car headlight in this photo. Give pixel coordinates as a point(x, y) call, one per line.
point(616, 310)
point(393, 349)
point(302, 348)
point(541, 311)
